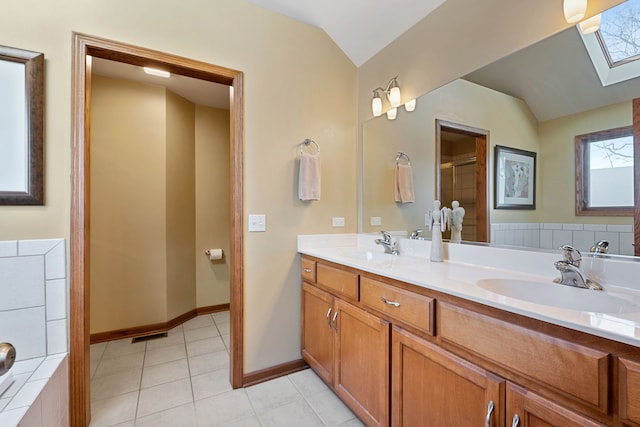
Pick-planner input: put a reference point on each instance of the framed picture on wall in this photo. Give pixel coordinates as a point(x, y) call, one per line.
point(514, 178)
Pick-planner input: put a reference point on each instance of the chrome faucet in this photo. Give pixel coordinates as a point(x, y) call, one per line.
point(602, 247)
point(415, 235)
point(570, 272)
point(390, 247)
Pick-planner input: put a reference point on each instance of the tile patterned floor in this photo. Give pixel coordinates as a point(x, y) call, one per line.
point(183, 381)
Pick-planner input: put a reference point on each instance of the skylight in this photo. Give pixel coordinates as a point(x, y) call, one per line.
point(615, 48)
point(620, 32)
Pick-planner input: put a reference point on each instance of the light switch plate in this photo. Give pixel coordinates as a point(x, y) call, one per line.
point(376, 220)
point(257, 222)
point(337, 221)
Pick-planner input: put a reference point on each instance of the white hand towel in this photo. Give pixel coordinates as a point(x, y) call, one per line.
point(403, 184)
point(309, 178)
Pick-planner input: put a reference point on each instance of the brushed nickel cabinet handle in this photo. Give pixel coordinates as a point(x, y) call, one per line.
point(333, 321)
point(516, 421)
point(487, 421)
point(329, 321)
point(307, 270)
point(388, 302)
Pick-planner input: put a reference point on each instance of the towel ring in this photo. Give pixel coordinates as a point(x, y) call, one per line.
point(401, 155)
point(307, 142)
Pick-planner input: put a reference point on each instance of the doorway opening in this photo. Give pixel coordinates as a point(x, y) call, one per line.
point(84, 48)
point(462, 175)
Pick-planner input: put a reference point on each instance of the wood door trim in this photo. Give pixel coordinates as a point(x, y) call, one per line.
point(636, 175)
point(84, 46)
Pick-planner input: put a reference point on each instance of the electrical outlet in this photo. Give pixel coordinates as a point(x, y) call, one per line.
point(376, 220)
point(337, 221)
point(257, 223)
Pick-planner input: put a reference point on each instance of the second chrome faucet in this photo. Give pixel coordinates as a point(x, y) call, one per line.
point(571, 274)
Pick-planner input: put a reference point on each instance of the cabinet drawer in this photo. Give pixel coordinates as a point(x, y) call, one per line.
point(406, 306)
point(629, 377)
point(308, 270)
point(574, 369)
point(342, 282)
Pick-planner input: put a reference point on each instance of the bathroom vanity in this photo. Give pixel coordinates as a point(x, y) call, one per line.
point(406, 342)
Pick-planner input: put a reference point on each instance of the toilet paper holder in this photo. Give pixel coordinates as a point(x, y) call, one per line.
point(207, 252)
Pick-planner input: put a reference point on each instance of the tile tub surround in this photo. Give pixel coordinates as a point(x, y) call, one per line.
point(33, 317)
point(552, 235)
point(466, 264)
point(39, 396)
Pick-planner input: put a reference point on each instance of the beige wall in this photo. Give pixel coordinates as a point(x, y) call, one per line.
point(128, 237)
point(180, 206)
point(212, 204)
point(289, 95)
point(557, 153)
point(143, 249)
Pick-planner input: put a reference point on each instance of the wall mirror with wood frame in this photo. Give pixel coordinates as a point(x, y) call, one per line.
point(21, 127)
point(505, 99)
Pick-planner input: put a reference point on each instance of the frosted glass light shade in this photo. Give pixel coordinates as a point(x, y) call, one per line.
point(376, 106)
point(392, 113)
point(410, 105)
point(591, 25)
point(574, 10)
point(394, 96)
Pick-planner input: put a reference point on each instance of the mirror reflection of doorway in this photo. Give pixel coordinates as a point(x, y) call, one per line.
point(461, 175)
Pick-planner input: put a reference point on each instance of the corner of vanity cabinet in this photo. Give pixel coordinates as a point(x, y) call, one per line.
point(627, 369)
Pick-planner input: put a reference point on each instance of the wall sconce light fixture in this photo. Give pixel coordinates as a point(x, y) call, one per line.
point(393, 95)
point(392, 113)
point(410, 105)
point(574, 10)
point(591, 25)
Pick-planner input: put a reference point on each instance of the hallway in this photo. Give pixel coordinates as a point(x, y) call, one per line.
point(183, 380)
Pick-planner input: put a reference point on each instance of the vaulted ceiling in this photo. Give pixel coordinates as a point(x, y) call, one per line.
point(361, 28)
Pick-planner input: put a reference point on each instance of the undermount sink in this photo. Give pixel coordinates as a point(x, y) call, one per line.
point(561, 296)
point(366, 255)
point(379, 259)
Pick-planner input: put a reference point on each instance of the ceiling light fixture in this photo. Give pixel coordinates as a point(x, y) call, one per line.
point(156, 72)
point(591, 25)
point(393, 95)
point(574, 10)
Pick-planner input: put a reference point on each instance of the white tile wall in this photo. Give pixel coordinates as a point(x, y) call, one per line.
point(552, 235)
point(33, 317)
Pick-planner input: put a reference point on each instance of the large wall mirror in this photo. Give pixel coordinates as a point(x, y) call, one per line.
point(21, 127)
point(536, 100)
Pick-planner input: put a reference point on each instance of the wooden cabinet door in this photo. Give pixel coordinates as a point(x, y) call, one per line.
point(629, 384)
point(533, 410)
point(317, 331)
point(361, 372)
point(432, 387)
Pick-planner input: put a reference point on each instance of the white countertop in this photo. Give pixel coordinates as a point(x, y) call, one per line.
point(465, 265)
